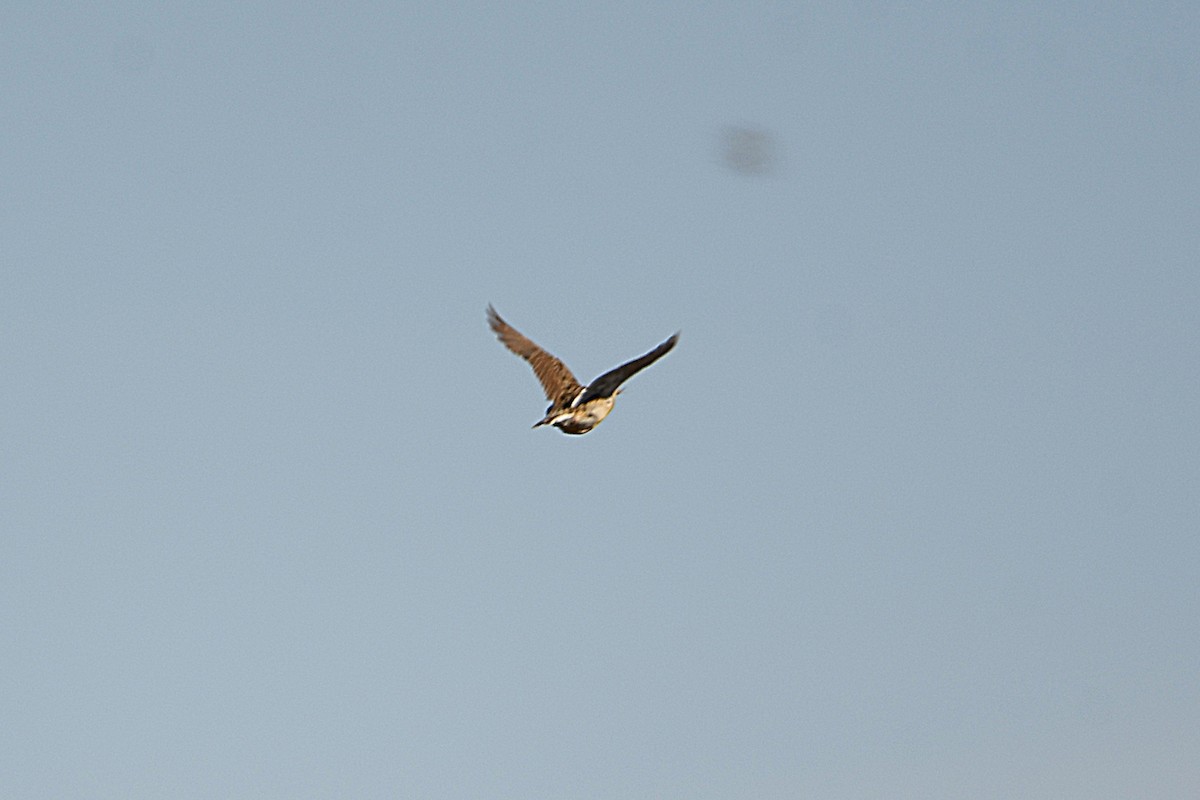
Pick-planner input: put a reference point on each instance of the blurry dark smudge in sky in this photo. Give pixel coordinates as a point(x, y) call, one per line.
point(750, 151)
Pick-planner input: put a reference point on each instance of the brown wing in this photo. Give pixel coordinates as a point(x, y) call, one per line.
point(608, 383)
point(557, 381)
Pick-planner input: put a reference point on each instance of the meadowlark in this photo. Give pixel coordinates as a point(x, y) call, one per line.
point(574, 409)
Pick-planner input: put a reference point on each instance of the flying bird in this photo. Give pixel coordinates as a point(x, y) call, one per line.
point(573, 408)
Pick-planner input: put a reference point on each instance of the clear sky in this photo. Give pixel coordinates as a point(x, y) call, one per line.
point(910, 512)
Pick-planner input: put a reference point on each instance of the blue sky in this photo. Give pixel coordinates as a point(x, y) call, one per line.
point(911, 510)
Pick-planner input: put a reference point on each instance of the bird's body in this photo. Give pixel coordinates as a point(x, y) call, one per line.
point(574, 408)
point(579, 419)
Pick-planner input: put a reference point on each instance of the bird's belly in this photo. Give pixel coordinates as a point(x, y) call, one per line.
point(583, 419)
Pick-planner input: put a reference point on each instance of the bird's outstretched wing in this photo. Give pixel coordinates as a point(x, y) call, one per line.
point(610, 381)
point(557, 381)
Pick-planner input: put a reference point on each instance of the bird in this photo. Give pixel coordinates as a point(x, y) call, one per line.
point(574, 409)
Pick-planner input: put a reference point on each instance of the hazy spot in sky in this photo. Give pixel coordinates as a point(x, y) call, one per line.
point(750, 151)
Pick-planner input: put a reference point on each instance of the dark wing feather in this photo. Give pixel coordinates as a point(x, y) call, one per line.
point(610, 381)
point(557, 381)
